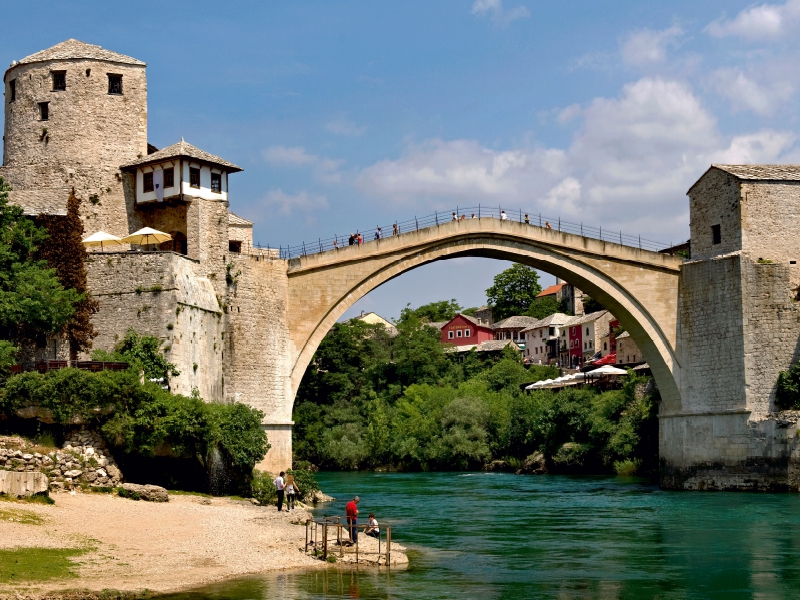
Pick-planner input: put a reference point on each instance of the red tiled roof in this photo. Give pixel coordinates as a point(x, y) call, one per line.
point(552, 290)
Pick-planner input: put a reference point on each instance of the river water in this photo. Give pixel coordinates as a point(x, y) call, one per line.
point(476, 535)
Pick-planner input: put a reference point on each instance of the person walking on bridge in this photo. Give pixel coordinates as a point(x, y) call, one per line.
point(503, 216)
point(351, 240)
point(280, 485)
point(395, 231)
point(352, 518)
point(378, 233)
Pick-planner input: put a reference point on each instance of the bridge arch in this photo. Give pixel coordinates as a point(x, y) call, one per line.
point(639, 287)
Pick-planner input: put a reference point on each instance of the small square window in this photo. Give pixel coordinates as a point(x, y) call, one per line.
point(716, 234)
point(44, 111)
point(12, 90)
point(234, 246)
point(466, 333)
point(194, 178)
point(458, 333)
point(450, 335)
point(216, 183)
point(169, 177)
point(148, 182)
point(59, 81)
point(115, 84)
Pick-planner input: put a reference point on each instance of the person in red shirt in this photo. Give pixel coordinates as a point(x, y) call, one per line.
point(352, 518)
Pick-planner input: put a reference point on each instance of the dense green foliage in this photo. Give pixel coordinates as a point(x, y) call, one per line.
point(369, 400)
point(33, 302)
point(787, 393)
point(591, 305)
point(444, 310)
point(513, 291)
point(544, 307)
point(143, 353)
point(141, 418)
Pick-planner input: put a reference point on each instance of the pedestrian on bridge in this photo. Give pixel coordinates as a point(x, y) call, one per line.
point(378, 234)
point(455, 217)
point(351, 240)
point(527, 220)
point(395, 230)
point(503, 216)
point(280, 485)
point(360, 239)
point(547, 225)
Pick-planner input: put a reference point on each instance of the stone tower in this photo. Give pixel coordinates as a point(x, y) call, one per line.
point(73, 114)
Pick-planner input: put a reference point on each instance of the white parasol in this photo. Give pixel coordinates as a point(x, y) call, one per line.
point(101, 238)
point(146, 236)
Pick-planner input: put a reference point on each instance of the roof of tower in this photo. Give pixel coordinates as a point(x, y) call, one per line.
point(76, 49)
point(182, 149)
point(757, 172)
point(237, 220)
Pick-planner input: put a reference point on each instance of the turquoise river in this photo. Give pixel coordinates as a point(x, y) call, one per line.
point(476, 535)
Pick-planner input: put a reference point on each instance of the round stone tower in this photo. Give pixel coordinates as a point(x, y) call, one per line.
point(73, 114)
point(75, 104)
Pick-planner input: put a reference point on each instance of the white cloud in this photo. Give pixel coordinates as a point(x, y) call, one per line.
point(645, 46)
point(345, 127)
point(325, 169)
point(629, 167)
point(281, 155)
point(496, 11)
point(765, 146)
point(461, 169)
point(286, 204)
point(746, 94)
point(569, 113)
point(762, 22)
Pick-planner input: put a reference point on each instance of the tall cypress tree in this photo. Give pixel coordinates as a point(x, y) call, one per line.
point(65, 253)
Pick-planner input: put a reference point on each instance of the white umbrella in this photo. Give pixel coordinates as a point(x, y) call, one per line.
point(607, 370)
point(146, 236)
point(101, 238)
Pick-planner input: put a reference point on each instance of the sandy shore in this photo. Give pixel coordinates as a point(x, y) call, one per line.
point(186, 542)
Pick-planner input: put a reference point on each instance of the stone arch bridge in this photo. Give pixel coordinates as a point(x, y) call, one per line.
point(640, 287)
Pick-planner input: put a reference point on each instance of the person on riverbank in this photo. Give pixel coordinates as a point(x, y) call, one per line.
point(373, 530)
point(279, 485)
point(291, 492)
point(351, 510)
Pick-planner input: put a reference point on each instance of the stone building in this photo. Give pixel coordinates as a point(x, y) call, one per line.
point(627, 350)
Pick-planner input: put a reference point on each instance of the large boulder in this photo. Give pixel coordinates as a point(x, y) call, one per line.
point(151, 493)
point(318, 496)
point(23, 484)
point(535, 464)
point(499, 466)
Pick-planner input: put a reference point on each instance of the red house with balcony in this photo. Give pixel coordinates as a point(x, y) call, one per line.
point(463, 330)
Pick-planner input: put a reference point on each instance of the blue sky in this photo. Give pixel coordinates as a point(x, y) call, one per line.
point(351, 113)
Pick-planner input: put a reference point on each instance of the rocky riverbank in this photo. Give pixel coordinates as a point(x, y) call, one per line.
point(126, 545)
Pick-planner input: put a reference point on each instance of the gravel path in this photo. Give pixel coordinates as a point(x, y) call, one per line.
point(186, 542)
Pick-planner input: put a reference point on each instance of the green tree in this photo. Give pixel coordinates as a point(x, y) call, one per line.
point(142, 352)
point(787, 393)
point(33, 302)
point(418, 353)
point(591, 305)
point(541, 308)
point(444, 310)
point(513, 291)
point(65, 253)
